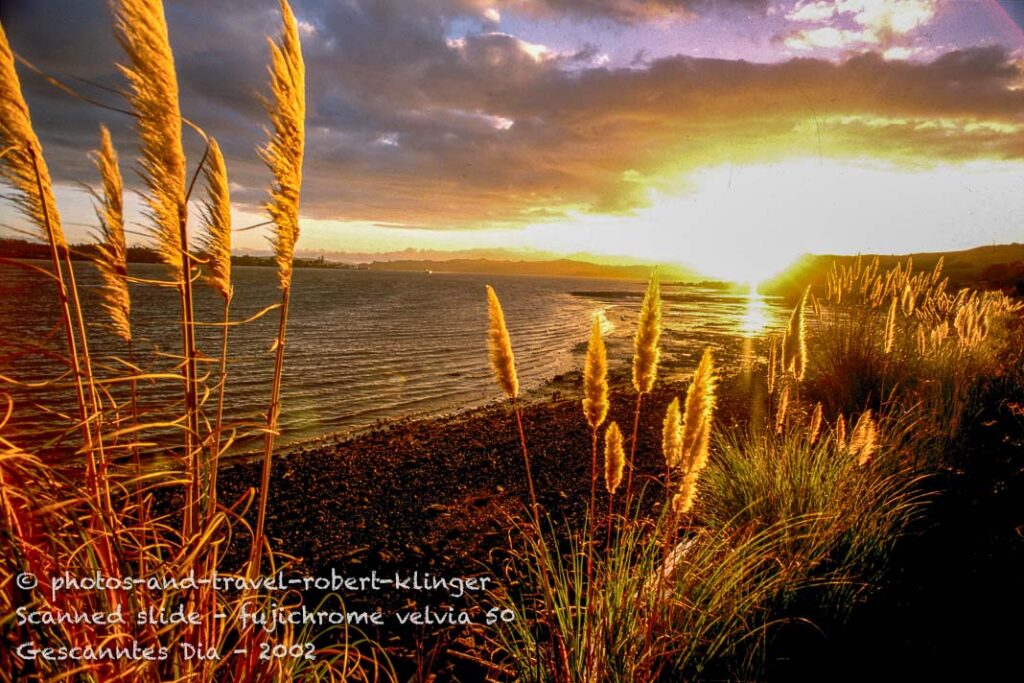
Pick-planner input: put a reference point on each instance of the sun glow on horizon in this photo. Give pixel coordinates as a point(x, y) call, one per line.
point(748, 223)
point(738, 223)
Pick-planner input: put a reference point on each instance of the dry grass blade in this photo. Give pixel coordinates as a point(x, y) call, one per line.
point(18, 142)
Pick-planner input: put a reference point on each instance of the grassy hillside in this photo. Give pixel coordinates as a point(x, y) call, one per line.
point(989, 267)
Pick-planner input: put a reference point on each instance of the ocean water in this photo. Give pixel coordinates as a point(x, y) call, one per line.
point(362, 346)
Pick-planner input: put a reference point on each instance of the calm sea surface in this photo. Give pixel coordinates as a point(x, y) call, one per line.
point(362, 346)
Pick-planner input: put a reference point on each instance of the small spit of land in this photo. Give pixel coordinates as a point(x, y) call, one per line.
point(437, 496)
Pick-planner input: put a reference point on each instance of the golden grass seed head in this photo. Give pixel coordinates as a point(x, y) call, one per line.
point(794, 347)
point(217, 222)
point(645, 345)
point(864, 438)
point(22, 165)
point(141, 29)
point(782, 410)
point(614, 458)
point(698, 413)
point(890, 328)
point(814, 427)
point(672, 434)
point(499, 347)
point(283, 153)
point(111, 257)
point(840, 433)
point(682, 502)
point(595, 378)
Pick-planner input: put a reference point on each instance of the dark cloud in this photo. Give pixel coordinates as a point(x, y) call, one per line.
point(412, 123)
point(634, 10)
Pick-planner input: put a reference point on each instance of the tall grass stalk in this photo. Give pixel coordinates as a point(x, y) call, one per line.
point(595, 409)
point(23, 168)
point(283, 155)
point(141, 29)
point(645, 364)
point(217, 251)
point(503, 364)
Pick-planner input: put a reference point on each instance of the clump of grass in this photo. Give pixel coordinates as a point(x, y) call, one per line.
point(788, 507)
point(711, 610)
point(848, 513)
point(929, 347)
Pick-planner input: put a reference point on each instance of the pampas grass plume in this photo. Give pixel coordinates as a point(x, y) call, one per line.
point(645, 345)
point(283, 154)
point(217, 220)
point(840, 433)
point(794, 348)
point(112, 251)
point(672, 434)
point(864, 438)
point(697, 414)
point(595, 378)
point(499, 347)
point(780, 414)
point(890, 327)
point(614, 458)
point(696, 437)
point(814, 428)
point(141, 29)
point(18, 146)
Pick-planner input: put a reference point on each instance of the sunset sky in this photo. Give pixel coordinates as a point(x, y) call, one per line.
point(729, 135)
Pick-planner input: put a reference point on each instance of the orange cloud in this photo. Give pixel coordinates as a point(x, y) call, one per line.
point(597, 141)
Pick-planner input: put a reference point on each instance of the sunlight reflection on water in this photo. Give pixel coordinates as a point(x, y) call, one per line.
point(755, 318)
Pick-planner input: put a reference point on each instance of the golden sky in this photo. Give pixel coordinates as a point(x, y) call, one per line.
point(730, 136)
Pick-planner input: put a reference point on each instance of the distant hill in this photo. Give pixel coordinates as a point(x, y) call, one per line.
point(552, 268)
point(24, 249)
point(990, 267)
